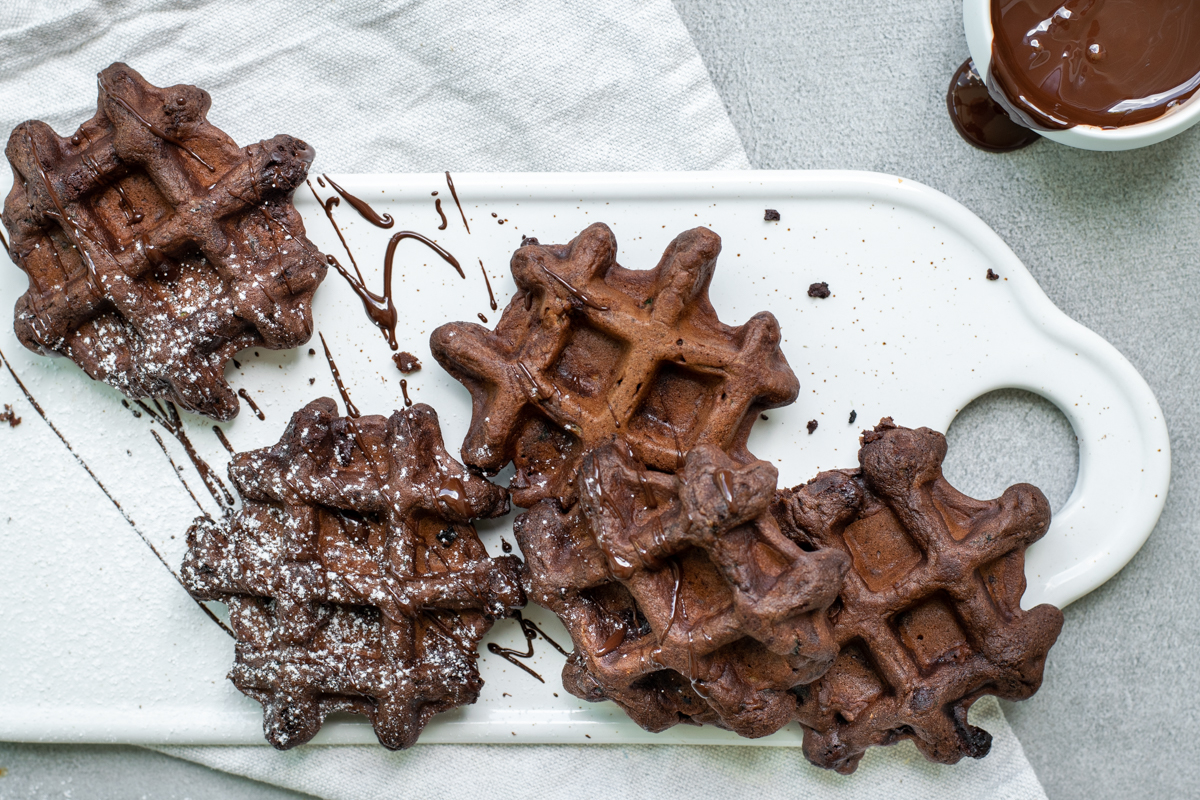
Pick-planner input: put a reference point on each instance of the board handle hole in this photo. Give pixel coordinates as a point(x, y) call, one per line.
point(1012, 436)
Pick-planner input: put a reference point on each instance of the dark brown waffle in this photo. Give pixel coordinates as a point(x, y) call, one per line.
point(684, 600)
point(587, 349)
point(929, 618)
point(354, 578)
point(155, 248)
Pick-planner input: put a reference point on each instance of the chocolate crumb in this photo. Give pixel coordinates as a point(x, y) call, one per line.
point(236, 364)
point(771, 215)
point(819, 290)
point(406, 362)
point(764, 416)
point(991, 276)
point(9, 416)
point(447, 536)
point(853, 416)
point(812, 426)
point(311, 381)
point(312, 352)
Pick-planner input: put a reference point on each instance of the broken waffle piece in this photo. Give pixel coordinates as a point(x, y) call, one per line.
point(929, 618)
point(155, 247)
point(684, 600)
point(587, 349)
point(406, 362)
point(354, 577)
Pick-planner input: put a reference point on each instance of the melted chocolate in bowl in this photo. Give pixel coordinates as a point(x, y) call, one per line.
point(1105, 63)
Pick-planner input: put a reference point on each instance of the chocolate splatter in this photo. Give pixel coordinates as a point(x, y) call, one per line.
point(79, 459)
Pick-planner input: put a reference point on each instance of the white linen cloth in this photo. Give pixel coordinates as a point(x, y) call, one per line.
point(428, 85)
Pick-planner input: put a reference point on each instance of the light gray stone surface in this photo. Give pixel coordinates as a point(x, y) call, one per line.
point(1114, 239)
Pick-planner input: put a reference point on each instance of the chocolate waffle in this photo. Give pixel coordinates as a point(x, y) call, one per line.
point(156, 248)
point(587, 349)
point(929, 617)
point(684, 600)
point(354, 578)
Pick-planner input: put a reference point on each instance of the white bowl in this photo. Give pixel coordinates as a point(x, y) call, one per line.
point(977, 20)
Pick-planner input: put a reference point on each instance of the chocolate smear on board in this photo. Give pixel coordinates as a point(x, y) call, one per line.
point(79, 459)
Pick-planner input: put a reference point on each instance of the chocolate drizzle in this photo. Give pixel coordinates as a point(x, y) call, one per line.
point(721, 479)
point(148, 125)
point(583, 298)
point(488, 284)
point(167, 415)
point(361, 206)
point(482, 318)
point(79, 459)
point(131, 216)
point(454, 194)
point(531, 631)
point(430, 243)
point(437, 206)
point(70, 226)
point(242, 393)
point(404, 391)
point(380, 308)
point(178, 471)
point(223, 439)
point(351, 409)
point(510, 655)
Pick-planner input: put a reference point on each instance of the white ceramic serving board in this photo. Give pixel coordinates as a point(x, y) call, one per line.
point(101, 644)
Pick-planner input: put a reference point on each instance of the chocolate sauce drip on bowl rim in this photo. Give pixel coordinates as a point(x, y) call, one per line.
point(979, 119)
